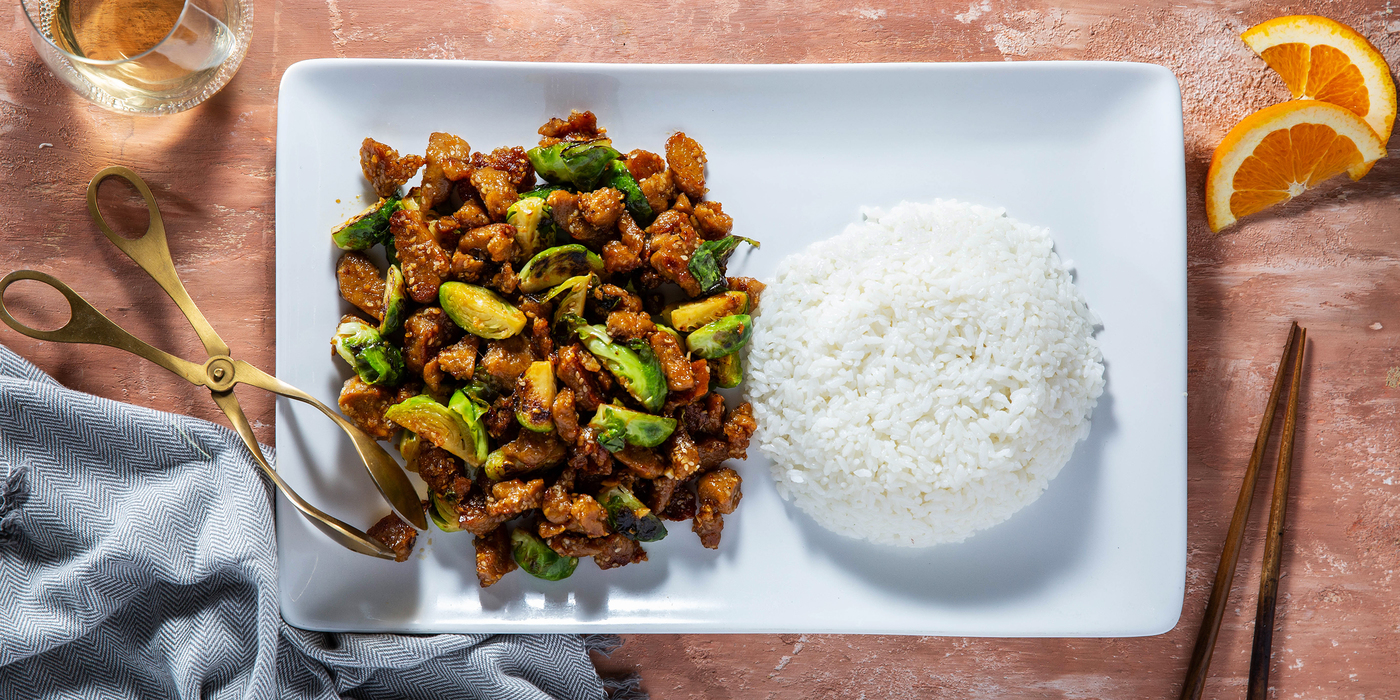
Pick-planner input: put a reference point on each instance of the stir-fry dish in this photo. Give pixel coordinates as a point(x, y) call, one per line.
point(544, 355)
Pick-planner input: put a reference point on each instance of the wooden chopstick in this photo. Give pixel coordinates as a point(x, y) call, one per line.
point(1225, 572)
point(1273, 546)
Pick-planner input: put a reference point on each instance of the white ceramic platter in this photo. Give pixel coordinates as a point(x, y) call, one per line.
point(1091, 150)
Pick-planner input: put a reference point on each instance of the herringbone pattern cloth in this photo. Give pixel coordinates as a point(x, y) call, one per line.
point(137, 560)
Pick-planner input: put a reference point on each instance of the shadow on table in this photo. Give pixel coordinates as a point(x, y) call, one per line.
point(1008, 561)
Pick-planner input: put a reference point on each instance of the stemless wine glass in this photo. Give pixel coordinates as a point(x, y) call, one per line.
point(142, 56)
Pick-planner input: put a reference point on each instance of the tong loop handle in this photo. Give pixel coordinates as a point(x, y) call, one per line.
point(88, 325)
point(151, 252)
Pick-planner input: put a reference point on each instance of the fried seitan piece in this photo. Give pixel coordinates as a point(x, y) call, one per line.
point(472, 214)
point(738, 429)
point(713, 451)
point(495, 242)
point(566, 208)
point(500, 419)
point(627, 325)
point(607, 298)
point(588, 516)
point(711, 220)
point(708, 524)
point(507, 359)
point(680, 374)
point(701, 370)
point(514, 497)
point(687, 162)
point(581, 372)
point(589, 457)
point(510, 160)
point(619, 259)
point(384, 169)
point(749, 286)
point(505, 280)
point(643, 164)
point(541, 339)
point(493, 559)
point(719, 489)
point(704, 417)
point(659, 189)
point(459, 359)
point(568, 545)
point(424, 263)
point(443, 472)
point(580, 126)
point(531, 451)
point(449, 158)
point(395, 534)
point(601, 207)
point(361, 283)
point(673, 240)
point(365, 404)
point(663, 489)
point(683, 455)
point(681, 505)
point(618, 551)
point(468, 267)
point(565, 417)
point(426, 332)
point(497, 190)
point(641, 461)
point(472, 515)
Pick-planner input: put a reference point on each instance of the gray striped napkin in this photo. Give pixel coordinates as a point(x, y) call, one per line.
point(137, 560)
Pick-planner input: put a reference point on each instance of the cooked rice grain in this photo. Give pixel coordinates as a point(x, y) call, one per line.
point(924, 374)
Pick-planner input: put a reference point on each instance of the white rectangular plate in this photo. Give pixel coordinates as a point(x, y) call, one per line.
point(1093, 151)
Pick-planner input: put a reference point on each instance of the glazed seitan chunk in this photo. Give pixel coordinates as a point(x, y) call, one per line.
point(459, 359)
point(565, 417)
point(426, 332)
point(396, 535)
point(507, 359)
point(493, 558)
point(643, 164)
point(626, 325)
point(385, 169)
point(361, 283)
point(687, 162)
point(708, 524)
point(681, 505)
point(497, 190)
point(514, 497)
point(580, 126)
point(443, 472)
point(449, 158)
point(601, 208)
point(424, 263)
point(365, 404)
point(738, 429)
point(510, 160)
point(711, 220)
point(680, 373)
point(580, 371)
point(618, 551)
point(494, 242)
point(704, 417)
point(719, 490)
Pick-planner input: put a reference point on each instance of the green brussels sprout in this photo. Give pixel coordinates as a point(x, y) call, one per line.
point(480, 311)
point(533, 225)
point(577, 163)
point(409, 445)
point(552, 266)
point(620, 179)
point(727, 370)
point(629, 518)
point(363, 230)
point(395, 301)
point(534, 397)
point(365, 350)
point(634, 364)
point(542, 192)
point(472, 411)
point(722, 337)
point(687, 317)
point(443, 515)
point(537, 559)
point(705, 264)
point(617, 425)
point(574, 293)
point(437, 424)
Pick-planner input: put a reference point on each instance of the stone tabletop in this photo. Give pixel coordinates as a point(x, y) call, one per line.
point(1327, 260)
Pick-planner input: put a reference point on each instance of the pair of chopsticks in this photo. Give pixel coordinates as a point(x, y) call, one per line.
point(1225, 573)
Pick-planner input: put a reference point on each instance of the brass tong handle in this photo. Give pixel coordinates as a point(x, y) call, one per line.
point(151, 252)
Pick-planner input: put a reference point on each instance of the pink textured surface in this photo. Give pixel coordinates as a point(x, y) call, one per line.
point(1326, 260)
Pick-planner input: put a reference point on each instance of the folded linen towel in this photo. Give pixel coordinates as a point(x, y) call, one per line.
point(137, 560)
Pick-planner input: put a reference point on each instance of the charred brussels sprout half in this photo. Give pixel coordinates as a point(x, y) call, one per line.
point(542, 192)
point(687, 317)
point(552, 266)
point(395, 301)
point(537, 559)
point(443, 515)
point(577, 163)
point(409, 444)
point(533, 226)
point(437, 424)
point(705, 265)
point(722, 337)
point(367, 228)
point(480, 311)
point(620, 178)
point(634, 364)
point(471, 411)
point(728, 370)
point(572, 294)
point(619, 427)
point(629, 518)
point(534, 397)
point(365, 350)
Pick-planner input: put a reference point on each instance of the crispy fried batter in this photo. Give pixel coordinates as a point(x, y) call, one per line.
point(472, 214)
point(659, 189)
point(466, 267)
point(497, 191)
point(711, 220)
point(680, 376)
point(510, 160)
point(514, 497)
point(361, 283)
point(426, 331)
point(449, 158)
point(619, 551)
point(573, 370)
point(601, 207)
point(619, 259)
point(423, 261)
point(687, 162)
point(396, 535)
point(565, 417)
point(566, 208)
point(384, 169)
point(643, 164)
point(494, 241)
point(719, 489)
point(493, 559)
point(580, 126)
point(627, 325)
point(459, 360)
point(738, 428)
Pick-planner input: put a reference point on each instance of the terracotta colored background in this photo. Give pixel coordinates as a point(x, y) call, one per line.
point(1327, 261)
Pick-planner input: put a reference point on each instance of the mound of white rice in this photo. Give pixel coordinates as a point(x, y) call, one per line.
point(924, 374)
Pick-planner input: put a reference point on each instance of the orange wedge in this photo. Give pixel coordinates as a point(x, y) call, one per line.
point(1320, 59)
point(1279, 152)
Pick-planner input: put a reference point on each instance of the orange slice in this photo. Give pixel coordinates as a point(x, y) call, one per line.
point(1320, 59)
point(1279, 152)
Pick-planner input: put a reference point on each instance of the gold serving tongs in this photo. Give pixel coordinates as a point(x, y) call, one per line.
point(219, 373)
